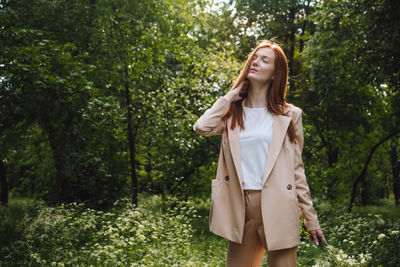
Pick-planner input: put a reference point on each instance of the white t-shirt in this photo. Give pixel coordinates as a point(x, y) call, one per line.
point(254, 145)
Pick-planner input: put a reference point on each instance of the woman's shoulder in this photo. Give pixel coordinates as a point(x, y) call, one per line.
point(294, 109)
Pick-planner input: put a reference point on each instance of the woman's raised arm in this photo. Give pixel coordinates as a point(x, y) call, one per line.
point(210, 123)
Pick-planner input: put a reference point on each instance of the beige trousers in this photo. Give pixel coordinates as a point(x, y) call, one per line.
point(250, 253)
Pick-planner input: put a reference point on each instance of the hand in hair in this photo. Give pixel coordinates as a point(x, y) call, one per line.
point(236, 93)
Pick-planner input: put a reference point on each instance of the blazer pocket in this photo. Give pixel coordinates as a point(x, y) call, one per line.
point(219, 188)
point(215, 182)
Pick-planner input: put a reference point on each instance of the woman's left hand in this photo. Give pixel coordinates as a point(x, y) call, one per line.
point(314, 234)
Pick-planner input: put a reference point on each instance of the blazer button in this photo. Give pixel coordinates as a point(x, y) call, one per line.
point(227, 178)
point(289, 187)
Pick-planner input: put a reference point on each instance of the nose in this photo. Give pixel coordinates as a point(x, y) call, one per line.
point(254, 63)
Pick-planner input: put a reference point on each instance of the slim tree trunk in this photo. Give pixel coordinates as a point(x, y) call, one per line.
point(59, 138)
point(292, 39)
point(363, 173)
point(395, 161)
point(59, 154)
point(304, 26)
point(3, 184)
point(131, 140)
point(149, 167)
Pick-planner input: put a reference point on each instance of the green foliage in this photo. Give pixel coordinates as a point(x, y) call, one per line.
point(69, 68)
point(169, 232)
point(13, 220)
point(45, 93)
point(154, 233)
point(68, 71)
point(354, 239)
point(348, 95)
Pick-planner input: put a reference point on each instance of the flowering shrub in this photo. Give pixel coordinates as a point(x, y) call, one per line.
point(353, 240)
point(155, 233)
point(171, 232)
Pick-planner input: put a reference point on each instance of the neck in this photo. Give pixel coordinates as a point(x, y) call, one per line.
point(257, 96)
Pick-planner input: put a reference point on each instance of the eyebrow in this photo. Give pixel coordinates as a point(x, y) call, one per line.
point(262, 55)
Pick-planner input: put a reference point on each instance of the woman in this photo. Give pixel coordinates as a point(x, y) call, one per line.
point(260, 189)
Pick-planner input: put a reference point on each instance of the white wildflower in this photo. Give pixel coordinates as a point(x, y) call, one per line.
point(394, 232)
point(381, 236)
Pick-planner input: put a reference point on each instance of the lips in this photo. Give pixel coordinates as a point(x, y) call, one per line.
point(253, 70)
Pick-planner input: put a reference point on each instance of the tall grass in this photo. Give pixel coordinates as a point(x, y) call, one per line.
point(171, 232)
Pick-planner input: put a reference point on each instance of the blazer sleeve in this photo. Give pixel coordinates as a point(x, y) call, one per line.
point(210, 123)
point(306, 208)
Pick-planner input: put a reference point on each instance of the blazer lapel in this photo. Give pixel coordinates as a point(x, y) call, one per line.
point(234, 144)
point(279, 128)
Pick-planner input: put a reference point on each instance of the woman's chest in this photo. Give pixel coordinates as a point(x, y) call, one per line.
point(257, 127)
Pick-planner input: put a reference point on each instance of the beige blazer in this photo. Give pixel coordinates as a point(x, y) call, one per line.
point(285, 193)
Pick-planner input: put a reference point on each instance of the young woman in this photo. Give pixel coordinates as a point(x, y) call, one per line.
point(260, 189)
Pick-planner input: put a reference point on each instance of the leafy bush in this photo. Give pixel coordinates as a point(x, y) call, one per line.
point(353, 240)
point(172, 232)
point(155, 233)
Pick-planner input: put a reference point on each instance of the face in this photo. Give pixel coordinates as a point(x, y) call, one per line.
point(262, 65)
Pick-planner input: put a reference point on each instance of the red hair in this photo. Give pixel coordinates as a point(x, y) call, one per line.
point(276, 93)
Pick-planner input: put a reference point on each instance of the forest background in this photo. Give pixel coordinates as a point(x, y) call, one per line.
point(97, 103)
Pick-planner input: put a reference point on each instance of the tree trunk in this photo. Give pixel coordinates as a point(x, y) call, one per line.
point(59, 154)
point(303, 27)
point(363, 173)
point(149, 168)
point(131, 140)
point(3, 184)
point(395, 161)
point(59, 138)
point(292, 40)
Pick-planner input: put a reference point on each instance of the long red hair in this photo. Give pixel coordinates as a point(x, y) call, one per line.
point(276, 94)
